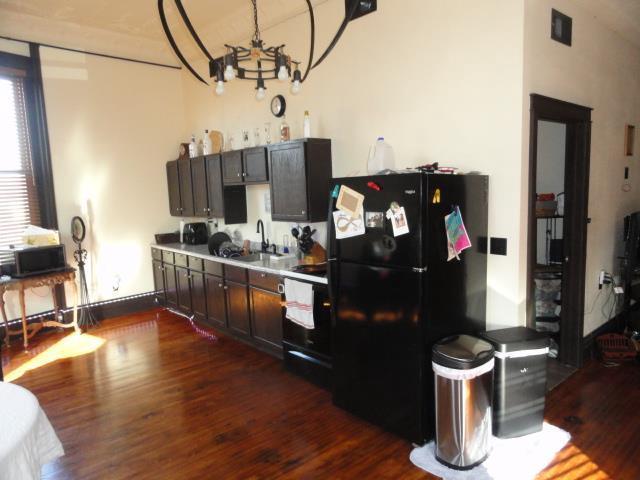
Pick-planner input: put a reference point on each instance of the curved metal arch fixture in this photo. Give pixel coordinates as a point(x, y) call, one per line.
point(273, 55)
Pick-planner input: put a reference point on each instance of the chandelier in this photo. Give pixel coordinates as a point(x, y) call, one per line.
point(258, 62)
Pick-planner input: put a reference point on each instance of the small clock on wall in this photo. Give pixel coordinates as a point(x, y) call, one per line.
point(78, 230)
point(278, 105)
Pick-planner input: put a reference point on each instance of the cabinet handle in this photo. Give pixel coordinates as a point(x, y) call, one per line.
point(280, 288)
point(205, 210)
point(226, 287)
point(219, 285)
point(263, 275)
point(303, 212)
point(244, 174)
point(238, 174)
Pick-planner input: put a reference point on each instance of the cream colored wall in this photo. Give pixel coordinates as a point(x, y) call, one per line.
point(112, 125)
point(442, 81)
point(600, 70)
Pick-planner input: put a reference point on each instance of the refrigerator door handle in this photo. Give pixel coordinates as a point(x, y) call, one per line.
point(419, 269)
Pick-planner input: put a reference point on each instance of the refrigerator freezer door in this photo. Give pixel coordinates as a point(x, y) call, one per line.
point(377, 352)
point(379, 246)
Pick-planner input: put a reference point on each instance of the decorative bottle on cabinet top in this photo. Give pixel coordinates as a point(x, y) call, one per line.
point(285, 131)
point(306, 125)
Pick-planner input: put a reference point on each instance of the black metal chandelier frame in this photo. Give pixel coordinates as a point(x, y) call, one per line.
point(273, 57)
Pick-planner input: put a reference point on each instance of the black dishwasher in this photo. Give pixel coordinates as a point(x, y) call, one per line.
point(307, 352)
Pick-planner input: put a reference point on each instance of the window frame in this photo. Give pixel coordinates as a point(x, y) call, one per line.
point(38, 132)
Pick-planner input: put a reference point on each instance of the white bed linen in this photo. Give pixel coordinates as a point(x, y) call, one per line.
point(27, 439)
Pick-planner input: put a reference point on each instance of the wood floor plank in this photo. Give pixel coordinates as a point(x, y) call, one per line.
point(157, 400)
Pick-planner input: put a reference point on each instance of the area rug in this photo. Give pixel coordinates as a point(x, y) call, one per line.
point(519, 458)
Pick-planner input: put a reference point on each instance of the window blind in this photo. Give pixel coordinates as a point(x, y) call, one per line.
point(18, 191)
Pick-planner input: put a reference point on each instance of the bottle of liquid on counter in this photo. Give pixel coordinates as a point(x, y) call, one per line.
point(381, 157)
point(285, 131)
point(207, 145)
point(193, 147)
point(306, 125)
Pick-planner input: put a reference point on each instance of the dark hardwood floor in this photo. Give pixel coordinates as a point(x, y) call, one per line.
point(146, 396)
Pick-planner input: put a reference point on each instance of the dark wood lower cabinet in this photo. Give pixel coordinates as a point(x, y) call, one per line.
point(198, 295)
point(170, 287)
point(184, 290)
point(158, 281)
point(238, 308)
point(266, 318)
point(216, 301)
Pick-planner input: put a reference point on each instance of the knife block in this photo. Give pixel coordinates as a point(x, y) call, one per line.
point(317, 255)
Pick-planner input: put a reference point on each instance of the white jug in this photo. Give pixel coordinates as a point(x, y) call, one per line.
point(380, 157)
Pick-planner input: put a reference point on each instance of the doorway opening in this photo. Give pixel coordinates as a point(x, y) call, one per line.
point(559, 152)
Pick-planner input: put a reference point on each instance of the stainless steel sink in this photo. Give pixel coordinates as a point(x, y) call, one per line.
point(258, 257)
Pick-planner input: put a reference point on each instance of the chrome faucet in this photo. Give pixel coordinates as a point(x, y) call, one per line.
point(264, 245)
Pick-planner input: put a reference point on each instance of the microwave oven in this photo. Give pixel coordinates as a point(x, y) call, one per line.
point(38, 260)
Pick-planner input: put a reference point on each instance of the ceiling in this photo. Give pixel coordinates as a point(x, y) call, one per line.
point(216, 21)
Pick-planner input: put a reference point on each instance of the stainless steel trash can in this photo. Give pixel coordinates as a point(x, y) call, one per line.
point(463, 368)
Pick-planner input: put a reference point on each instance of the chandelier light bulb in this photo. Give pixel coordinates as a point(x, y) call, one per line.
point(229, 73)
point(260, 93)
point(295, 87)
point(282, 73)
point(220, 87)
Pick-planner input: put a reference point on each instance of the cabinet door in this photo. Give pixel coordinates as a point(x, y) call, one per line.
point(170, 285)
point(238, 308)
point(216, 303)
point(173, 182)
point(184, 292)
point(266, 317)
point(158, 281)
point(254, 162)
point(232, 167)
point(288, 183)
point(186, 187)
point(199, 180)
point(214, 186)
point(198, 295)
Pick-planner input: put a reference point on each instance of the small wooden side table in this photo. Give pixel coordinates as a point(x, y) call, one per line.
point(45, 280)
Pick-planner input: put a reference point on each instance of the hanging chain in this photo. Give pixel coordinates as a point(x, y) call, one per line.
point(256, 33)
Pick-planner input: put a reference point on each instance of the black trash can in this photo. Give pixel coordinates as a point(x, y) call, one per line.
point(463, 375)
point(520, 380)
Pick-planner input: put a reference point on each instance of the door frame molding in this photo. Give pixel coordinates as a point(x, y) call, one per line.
point(578, 146)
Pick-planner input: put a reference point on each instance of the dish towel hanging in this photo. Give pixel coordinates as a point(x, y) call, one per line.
point(299, 302)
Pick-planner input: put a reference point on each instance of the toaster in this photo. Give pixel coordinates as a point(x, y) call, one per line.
point(195, 233)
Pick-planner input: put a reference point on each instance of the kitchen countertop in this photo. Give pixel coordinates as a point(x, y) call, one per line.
point(280, 267)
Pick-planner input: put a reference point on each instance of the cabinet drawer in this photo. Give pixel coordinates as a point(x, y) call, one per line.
point(167, 257)
point(213, 268)
point(156, 254)
point(268, 281)
point(181, 260)
point(195, 263)
point(235, 274)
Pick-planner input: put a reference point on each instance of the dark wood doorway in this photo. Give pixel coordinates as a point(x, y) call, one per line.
point(577, 120)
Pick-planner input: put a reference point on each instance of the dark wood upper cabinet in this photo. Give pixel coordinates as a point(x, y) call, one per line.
point(232, 167)
point(186, 187)
point(238, 308)
point(199, 183)
point(215, 192)
point(173, 183)
point(198, 295)
point(266, 318)
point(254, 163)
point(170, 286)
point(300, 172)
point(184, 289)
point(216, 301)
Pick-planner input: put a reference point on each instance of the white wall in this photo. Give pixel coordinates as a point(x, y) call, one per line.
point(442, 81)
point(112, 125)
point(600, 70)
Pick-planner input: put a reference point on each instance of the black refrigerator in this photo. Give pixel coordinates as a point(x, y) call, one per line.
point(393, 297)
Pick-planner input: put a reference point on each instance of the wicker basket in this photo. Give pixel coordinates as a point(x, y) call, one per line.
point(614, 346)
